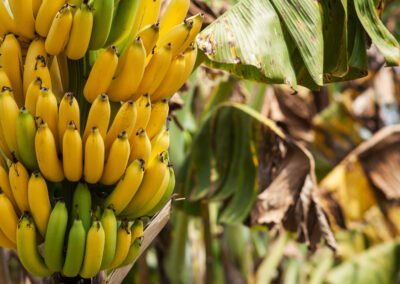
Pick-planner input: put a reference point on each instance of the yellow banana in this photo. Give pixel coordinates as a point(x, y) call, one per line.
point(123, 121)
point(143, 106)
point(5, 186)
point(60, 29)
point(173, 15)
point(158, 117)
point(32, 95)
point(94, 250)
point(155, 70)
point(125, 85)
point(23, 16)
point(151, 12)
point(9, 222)
point(72, 153)
point(5, 242)
point(47, 11)
point(101, 74)
point(39, 202)
point(3, 145)
point(4, 80)
point(68, 111)
point(19, 178)
point(46, 152)
point(35, 6)
point(190, 60)
point(35, 49)
point(126, 187)
point(42, 71)
point(8, 117)
point(197, 22)
point(47, 110)
point(123, 244)
point(94, 157)
point(159, 144)
point(11, 58)
point(80, 33)
point(176, 36)
point(99, 116)
point(154, 183)
point(6, 21)
point(149, 35)
point(137, 230)
point(171, 82)
point(140, 147)
point(117, 160)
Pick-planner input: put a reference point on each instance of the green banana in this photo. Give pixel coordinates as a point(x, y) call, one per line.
point(28, 252)
point(96, 214)
point(133, 251)
point(102, 19)
point(123, 21)
point(94, 250)
point(75, 249)
point(110, 227)
point(82, 202)
point(54, 240)
point(166, 195)
point(26, 131)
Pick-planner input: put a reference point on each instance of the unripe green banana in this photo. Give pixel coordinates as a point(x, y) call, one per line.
point(167, 193)
point(28, 252)
point(26, 131)
point(102, 20)
point(54, 240)
point(75, 249)
point(82, 205)
point(133, 251)
point(122, 21)
point(110, 227)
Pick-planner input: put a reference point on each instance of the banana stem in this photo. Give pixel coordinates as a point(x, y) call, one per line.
point(207, 241)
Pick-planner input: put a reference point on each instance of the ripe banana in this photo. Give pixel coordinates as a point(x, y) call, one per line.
point(47, 11)
point(82, 205)
point(149, 35)
point(126, 187)
point(123, 20)
point(46, 153)
point(28, 252)
point(190, 61)
point(101, 75)
point(123, 244)
point(9, 222)
point(6, 21)
point(68, 111)
point(75, 249)
point(140, 147)
point(3, 145)
point(94, 250)
point(35, 7)
point(55, 234)
point(36, 49)
point(60, 29)
point(8, 117)
point(151, 12)
point(137, 230)
point(99, 116)
point(42, 71)
point(32, 95)
point(154, 183)
point(94, 157)
point(72, 153)
point(80, 33)
point(110, 227)
point(39, 202)
point(133, 252)
point(155, 70)
point(19, 178)
point(23, 18)
point(171, 82)
point(177, 36)
point(11, 60)
point(159, 144)
point(158, 117)
point(123, 121)
point(173, 15)
point(47, 110)
point(5, 242)
point(117, 160)
point(125, 85)
point(6, 187)
point(102, 20)
point(197, 22)
point(143, 106)
point(26, 131)
point(4, 80)
point(167, 194)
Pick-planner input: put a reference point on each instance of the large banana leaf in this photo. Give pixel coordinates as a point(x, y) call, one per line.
point(294, 42)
